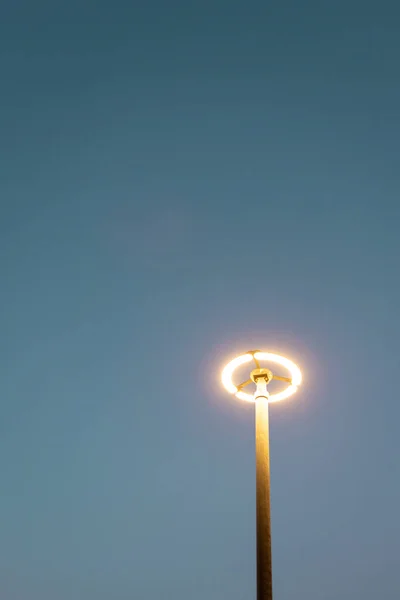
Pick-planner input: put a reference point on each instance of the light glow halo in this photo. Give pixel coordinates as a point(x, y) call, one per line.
point(231, 367)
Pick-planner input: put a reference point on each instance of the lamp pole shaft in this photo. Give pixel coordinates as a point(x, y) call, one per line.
point(263, 502)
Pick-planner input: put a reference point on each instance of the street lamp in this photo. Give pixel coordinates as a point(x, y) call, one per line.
point(261, 397)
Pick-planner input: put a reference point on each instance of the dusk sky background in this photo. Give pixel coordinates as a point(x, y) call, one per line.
point(181, 182)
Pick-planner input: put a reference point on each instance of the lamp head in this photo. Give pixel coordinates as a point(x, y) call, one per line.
point(261, 376)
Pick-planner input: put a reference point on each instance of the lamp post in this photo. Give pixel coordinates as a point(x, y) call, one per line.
point(261, 397)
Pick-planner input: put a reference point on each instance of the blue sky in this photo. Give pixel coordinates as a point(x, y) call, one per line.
point(180, 182)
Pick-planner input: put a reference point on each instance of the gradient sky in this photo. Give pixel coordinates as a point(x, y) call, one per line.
point(181, 181)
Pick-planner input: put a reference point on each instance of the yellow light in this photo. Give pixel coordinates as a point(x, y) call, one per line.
point(290, 390)
point(244, 396)
point(284, 362)
point(293, 369)
point(230, 368)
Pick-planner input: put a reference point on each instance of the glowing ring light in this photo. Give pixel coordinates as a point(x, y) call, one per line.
point(294, 380)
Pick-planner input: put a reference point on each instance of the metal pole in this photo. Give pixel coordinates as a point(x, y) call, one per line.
point(263, 501)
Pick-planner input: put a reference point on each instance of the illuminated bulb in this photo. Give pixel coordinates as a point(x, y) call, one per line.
point(229, 369)
point(244, 396)
point(293, 369)
point(285, 362)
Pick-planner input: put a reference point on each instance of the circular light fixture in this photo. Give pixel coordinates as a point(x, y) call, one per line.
point(293, 381)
